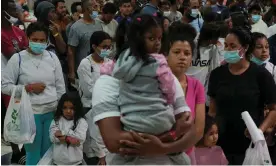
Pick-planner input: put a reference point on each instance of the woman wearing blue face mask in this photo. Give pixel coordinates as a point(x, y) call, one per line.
point(237, 86)
point(260, 54)
point(39, 72)
point(88, 73)
point(89, 68)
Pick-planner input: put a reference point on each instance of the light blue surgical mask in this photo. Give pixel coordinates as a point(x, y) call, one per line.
point(194, 13)
point(94, 14)
point(232, 56)
point(104, 53)
point(255, 18)
point(258, 61)
point(37, 48)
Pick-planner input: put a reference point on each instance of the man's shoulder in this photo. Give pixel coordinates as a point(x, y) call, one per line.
point(77, 24)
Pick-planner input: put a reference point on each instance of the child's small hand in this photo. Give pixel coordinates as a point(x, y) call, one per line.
point(61, 139)
point(72, 141)
point(58, 134)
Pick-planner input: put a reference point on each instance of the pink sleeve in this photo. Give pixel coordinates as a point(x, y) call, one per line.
point(107, 67)
point(200, 93)
point(165, 77)
point(223, 159)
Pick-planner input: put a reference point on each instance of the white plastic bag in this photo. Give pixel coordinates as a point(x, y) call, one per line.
point(47, 159)
point(257, 155)
point(19, 123)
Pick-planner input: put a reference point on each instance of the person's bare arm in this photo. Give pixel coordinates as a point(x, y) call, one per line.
point(56, 32)
point(270, 119)
point(71, 62)
point(199, 120)
point(112, 133)
point(212, 108)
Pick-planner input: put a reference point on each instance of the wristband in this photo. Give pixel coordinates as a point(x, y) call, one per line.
point(55, 35)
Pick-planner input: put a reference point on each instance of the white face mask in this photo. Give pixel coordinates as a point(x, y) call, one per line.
point(12, 19)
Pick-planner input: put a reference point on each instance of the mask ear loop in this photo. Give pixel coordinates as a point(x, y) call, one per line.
point(242, 52)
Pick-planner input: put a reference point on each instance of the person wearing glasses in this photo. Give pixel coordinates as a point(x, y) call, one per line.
point(88, 73)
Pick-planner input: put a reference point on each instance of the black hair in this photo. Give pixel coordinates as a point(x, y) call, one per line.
point(183, 28)
point(255, 36)
point(121, 36)
point(84, 3)
point(209, 122)
point(208, 32)
point(240, 19)
point(162, 3)
point(122, 2)
point(55, 2)
point(210, 16)
point(97, 38)
point(36, 4)
point(35, 27)
point(109, 8)
point(179, 32)
point(135, 35)
point(223, 29)
point(74, 98)
point(173, 2)
point(245, 38)
point(74, 7)
point(254, 7)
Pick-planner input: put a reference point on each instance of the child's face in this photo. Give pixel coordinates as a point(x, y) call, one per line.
point(153, 40)
point(68, 110)
point(211, 137)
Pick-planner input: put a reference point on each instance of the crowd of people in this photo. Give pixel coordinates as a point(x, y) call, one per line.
point(133, 82)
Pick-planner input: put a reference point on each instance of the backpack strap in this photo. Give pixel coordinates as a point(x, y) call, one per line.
point(90, 63)
point(92, 70)
point(19, 64)
point(50, 53)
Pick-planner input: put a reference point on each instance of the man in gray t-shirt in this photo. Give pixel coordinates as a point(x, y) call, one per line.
point(79, 36)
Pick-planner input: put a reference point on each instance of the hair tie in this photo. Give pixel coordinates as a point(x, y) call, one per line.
point(139, 19)
point(154, 14)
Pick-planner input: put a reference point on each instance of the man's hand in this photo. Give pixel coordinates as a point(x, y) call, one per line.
point(183, 124)
point(54, 28)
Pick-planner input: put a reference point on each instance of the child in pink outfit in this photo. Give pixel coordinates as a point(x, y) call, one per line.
point(162, 71)
point(151, 87)
point(206, 152)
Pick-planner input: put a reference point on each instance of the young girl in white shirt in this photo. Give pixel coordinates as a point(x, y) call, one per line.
point(68, 131)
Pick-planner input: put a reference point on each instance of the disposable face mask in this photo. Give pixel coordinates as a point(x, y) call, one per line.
point(167, 13)
point(232, 56)
point(194, 13)
point(104, 53)
point(258, 61)
point(94, 15)
point(37, 48)
point(12, 19)
point(255, 18)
